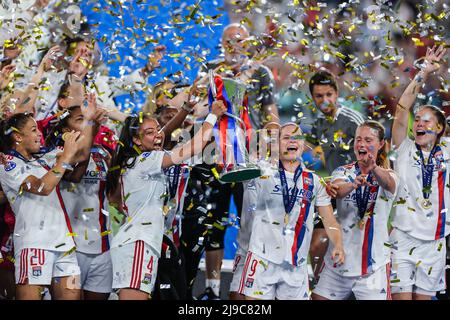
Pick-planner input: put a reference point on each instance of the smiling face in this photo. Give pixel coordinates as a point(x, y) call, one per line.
point(426, 127)
point(291, 143)
point(149, 136)
point(29, 137)
point(366, 142)
point(325, 98)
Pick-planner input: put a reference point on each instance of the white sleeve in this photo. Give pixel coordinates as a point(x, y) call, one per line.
point(406, 144)
point(343, 173)
point(13, 174)
point(322, 197)
point(397, 181)
point(150, 162)
point(50, 157)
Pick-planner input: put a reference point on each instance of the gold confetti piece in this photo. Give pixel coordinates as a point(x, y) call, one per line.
point(440, 246)
point(69, 252)
point(114, 168)
point(215, 173)
point(88, 210)
point(139, 151)
point(60, 245)
point(411, 251)
point(395, 280)
point(71, 234)
point(417, 42)
point(429, 270)
point(85, 234)
point(418, 262)
point(105, 233)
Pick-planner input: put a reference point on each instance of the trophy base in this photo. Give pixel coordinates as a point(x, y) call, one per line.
point(241, 174)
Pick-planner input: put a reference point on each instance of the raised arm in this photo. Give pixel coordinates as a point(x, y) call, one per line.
point(430, 64)
point(199, 141)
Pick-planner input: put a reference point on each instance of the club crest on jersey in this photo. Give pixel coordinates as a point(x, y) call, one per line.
point(308, 181)
point(146, 154)
point(37, 271)
point(249, 283)
point(10, 165)
point(147, 278)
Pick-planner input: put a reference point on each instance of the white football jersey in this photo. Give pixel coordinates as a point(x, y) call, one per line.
point(409, 214)
point(366, 246)
point(249, 201)
point(172, 223)
point(270, 238)
point(87, 206)
point(42, 222)
point(144, 190)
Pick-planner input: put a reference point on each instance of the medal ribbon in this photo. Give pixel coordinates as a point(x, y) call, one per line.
point(427, 170)
point(363, 199)
point(289, 200)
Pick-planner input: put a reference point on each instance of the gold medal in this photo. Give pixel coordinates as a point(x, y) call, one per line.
point(286, 219)
point(362, 223)
point(166, 210)
point(65, 135)
point(426, 204)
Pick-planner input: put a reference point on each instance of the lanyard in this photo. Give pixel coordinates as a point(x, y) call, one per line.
point(427, 170)
point(289, 199)
point(362, 197)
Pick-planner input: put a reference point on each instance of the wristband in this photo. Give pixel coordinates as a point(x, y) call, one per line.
point(211, 119)
point(186, 108)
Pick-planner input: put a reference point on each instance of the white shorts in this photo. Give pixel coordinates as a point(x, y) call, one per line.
point(39, 266)
point(134, 266)
point(96, 271)
point(238, 268)
point(266, 280)
point(374, 286)
point(417, 265)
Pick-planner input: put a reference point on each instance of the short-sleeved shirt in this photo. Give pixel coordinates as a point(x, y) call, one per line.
point(270, 238)
point(144, 190)
point(336, 138)
point(42, 222)
point(87, 206)
point(409, 215)
point(366, 247)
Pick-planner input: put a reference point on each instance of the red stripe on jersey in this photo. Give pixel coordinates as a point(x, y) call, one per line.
point(63, 207)
point(440, 229)
point(365, 248)
point(101, 216)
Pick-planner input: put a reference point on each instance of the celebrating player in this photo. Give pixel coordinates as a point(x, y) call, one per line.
point(365, 191)
point(276, 263)
point(420, 227)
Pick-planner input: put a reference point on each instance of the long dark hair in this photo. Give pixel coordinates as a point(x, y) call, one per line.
point(382, 156)
point(126, 150)
point(10, 125)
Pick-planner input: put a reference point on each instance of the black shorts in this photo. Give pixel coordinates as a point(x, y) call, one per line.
point(170, 279)
point(206, 208)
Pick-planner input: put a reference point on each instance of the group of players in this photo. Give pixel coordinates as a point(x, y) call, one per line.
point(61, 173)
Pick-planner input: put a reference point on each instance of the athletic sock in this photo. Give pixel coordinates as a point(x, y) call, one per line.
point(214, 284)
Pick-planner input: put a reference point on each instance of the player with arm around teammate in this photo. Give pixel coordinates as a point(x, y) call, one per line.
point(365, 191)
